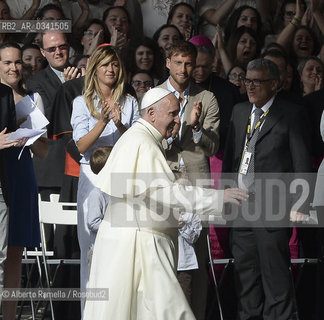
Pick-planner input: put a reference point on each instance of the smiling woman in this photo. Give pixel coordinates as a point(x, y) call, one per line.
point(304, 43)
point(141, 81)
point(180, 16)
point(118, 22)
point(23, 203)
point(311, 71)
point(144, 54)
point(31, 56)
point(93, 34)
point(243, 16)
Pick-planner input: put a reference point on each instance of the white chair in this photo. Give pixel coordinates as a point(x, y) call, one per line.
point(55, 213)
point(29, 260)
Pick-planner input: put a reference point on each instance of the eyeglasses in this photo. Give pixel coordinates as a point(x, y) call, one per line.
point(62, 47)
point(235, 76)
point(89, 33)
point(255, 82)
point(290, 13)
point(137, 83)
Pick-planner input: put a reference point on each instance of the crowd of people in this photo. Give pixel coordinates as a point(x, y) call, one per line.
point(185, 91)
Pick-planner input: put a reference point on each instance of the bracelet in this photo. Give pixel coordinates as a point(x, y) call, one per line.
point(294, 24)
point(297, 18)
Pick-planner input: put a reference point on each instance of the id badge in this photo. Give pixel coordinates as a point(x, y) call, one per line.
point(245, 162)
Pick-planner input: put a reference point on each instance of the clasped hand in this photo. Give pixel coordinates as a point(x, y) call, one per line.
point(109, 112)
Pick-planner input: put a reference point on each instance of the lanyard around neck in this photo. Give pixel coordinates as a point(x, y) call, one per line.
point(249, 132)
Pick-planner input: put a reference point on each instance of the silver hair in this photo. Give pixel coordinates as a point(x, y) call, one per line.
point(266, 65)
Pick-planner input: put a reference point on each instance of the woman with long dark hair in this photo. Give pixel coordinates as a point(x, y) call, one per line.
point(23, 204)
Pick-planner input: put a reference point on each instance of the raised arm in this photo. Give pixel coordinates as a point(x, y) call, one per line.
point(285, 36)
point(219, 45)
point(267, 10)
point(83, 4)
point(218, 15)
point(31, 12)
point(317, 14)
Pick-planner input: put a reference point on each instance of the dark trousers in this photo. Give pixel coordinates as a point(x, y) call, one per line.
point(263, 280)
point(200, 277)
point(320, 267)
point(185, 280)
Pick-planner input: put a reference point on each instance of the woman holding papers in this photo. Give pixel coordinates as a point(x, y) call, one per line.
point(23, 203)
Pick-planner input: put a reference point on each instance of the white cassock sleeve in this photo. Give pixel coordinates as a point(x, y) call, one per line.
point(192, 199)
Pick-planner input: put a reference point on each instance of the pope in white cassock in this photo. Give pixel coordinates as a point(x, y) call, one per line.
point(135, 250)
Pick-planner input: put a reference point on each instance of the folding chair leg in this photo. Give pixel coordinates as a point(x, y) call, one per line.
point(48, 282)
point(214, 279)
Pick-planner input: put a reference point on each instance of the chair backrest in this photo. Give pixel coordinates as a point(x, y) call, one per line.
point(54, 212)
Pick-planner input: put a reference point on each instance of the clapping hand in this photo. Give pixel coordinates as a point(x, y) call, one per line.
point(71, 73)
point(195, 113)
point(116, 114)
point(105, 112)
point(98, 39)
point(318, 82)
point(111, 112)
point(118, 39)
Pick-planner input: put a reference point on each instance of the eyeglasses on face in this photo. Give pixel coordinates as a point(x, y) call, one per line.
point(290, 13)
point(137, 83)
point(254, 82)
point(235, 76)
point(62, 47)
point(90, 33)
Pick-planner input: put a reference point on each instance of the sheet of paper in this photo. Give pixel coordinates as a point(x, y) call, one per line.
point(32, 134)
point(26, 133)
point(35, 118)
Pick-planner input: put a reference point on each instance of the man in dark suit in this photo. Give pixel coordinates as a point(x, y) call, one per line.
point(8, 122)
point(276, 143)
point(54, 47)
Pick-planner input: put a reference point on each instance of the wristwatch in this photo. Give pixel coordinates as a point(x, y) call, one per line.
point(196, 127)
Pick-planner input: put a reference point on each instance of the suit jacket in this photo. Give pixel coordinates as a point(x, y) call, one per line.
point(7, 120)
point(319, 188)
point(227, 96)
point(195, 155)
point(281, 146)
point(314, 108)
point(49, 172)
